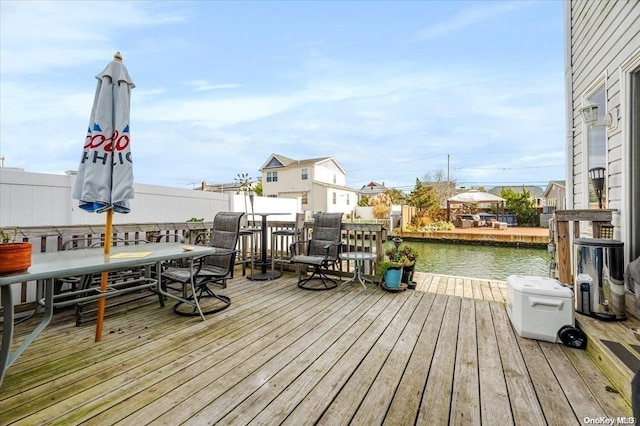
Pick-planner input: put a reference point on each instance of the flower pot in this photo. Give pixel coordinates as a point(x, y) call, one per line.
point(14, 257)
point(392, 277)
point(407, 274)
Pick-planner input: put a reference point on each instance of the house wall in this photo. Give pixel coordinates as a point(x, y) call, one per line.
point(556, 197)
point(603, 38)
point(325, 172)
point(319, 198)
point(289, 181)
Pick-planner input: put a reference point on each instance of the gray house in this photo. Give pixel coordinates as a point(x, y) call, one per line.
point(602, 77)
point(555, 195)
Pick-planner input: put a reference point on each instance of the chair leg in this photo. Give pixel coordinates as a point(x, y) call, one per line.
point(203, 291)
point(320, 276)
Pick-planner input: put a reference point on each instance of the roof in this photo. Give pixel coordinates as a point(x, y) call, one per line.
point(475, 197)
point(559, 183)
point(277, 161)
point(373, 188)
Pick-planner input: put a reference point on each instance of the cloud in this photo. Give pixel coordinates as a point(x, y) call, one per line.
point(203, 85)
point(38, 36)
point(469, 17)
point(385, 117)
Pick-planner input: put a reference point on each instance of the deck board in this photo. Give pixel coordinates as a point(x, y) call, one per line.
point(465, 407)
point(442, 354)
point(494, 396)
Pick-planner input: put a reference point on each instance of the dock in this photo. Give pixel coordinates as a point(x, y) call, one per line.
point(512, 236)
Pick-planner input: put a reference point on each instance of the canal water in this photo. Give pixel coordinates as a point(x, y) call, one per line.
point(477, 261)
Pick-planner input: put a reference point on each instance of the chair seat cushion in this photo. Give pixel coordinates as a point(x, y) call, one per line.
point(182, 275)
point(309, 260)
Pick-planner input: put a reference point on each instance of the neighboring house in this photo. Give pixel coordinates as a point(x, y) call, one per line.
point(535, 191)
point(555, 195)
point(373, 188)
point(320, 183)
point(232, 188)
point(602, 76)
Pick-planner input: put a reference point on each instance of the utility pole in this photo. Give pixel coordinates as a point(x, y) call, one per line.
point(448, 179)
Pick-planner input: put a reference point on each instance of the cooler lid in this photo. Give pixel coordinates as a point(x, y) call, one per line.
point(542, 286)
point(597, 242)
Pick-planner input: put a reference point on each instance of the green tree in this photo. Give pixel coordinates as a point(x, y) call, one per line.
point(424, 198)
point(364, 201)
point(257, 188)
point(521, 204)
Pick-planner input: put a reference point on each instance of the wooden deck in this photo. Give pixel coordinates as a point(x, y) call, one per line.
point(443, 354)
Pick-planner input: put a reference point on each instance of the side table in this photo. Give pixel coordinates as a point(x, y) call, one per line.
point(358, 258)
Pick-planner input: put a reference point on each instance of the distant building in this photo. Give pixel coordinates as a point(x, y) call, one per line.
point(556, 195)
point(320, 183)
point(373, 188)
point(225, 188)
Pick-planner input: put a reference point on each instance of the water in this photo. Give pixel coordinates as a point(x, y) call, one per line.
point(477, 261)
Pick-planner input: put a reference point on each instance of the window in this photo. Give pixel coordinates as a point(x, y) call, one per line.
point(335, 198)
point(305, 198)
point(272, 176)
point(597, 146)
point(335, 179)
point(347, 199)
point(305, 174)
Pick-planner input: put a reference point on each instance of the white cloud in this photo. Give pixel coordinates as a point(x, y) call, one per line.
point(469, 17)
point(41, 35)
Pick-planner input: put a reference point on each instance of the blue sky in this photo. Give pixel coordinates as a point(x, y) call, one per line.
point(390, 89)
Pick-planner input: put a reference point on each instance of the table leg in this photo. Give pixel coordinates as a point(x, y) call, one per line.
point(161, 291)
point(357, 276)
point(263, 247)
point(264, 275)
point(6, 357)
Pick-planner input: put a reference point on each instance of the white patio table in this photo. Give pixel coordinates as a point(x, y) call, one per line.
point(52, 265)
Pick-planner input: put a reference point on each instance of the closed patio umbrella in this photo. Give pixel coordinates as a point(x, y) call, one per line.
point(105, 177)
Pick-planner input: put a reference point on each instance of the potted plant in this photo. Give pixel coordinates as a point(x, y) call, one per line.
point(391, 273)
point(405, 255)
point(14, 256)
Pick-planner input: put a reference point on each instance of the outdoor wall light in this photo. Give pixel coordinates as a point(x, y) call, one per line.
point(597, 180)
point(589, 113)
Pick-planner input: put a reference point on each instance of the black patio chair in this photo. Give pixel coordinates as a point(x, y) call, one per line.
point(321, 251)
point(211, 269)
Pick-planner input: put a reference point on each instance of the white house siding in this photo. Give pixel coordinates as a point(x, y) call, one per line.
point(289, 180)
point(325, 172)
point(603, 36)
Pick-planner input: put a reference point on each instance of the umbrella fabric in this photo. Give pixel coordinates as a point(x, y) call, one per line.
point(105, 175)
point(475, 197)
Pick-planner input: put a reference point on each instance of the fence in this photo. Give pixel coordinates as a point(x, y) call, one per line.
point(356, 236)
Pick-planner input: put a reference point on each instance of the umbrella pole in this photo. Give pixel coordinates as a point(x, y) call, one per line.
point(104, 276)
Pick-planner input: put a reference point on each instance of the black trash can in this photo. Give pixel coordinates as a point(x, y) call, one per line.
point(599, 278)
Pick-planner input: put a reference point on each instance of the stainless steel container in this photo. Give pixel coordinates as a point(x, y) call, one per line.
point(599, 278)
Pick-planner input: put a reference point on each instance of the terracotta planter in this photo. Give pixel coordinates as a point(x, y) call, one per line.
point(14, 257)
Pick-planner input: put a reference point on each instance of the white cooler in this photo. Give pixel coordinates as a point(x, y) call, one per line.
point(538, 306)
